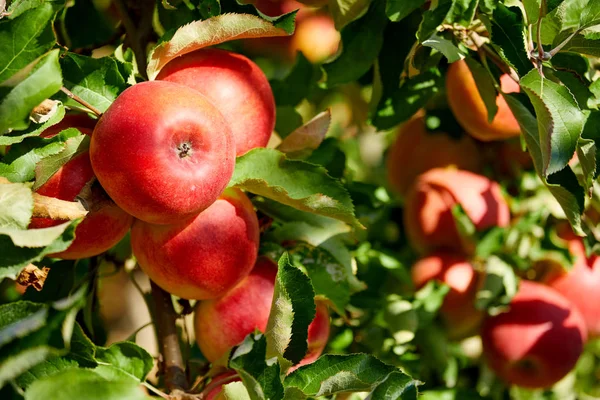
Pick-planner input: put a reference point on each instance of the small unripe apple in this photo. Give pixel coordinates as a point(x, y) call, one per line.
point(458, 309)
point(538, 341)
point(162, 152)
point(316, 37)
point(202, 257)
point(469, 109)
point(236, 86)
point(415, 151)
point(581, 285)
point(223, 323)
point(428, 217)
point(105, 224)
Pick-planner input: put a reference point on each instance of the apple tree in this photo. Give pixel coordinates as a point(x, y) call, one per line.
point(273, 199)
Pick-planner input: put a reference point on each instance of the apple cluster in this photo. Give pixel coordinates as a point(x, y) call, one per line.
point(540, 338)
point(159, 162)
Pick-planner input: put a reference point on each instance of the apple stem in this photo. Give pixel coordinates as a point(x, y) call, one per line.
point(165, 318)
point(81, 101)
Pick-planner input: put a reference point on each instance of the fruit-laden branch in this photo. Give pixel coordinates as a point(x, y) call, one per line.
point(165, 317)
point(49, 207)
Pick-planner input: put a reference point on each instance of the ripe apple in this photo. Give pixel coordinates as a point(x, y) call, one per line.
point(73, 120)
point(223, 323)
point(458, 310)
point(469, 109)
point(428, 218)
point(236, 86)
point(316, 37)
point(582, 283)
point(162, 152)
point(105, 224)
point(202, 257)
point(538, 341)
point(415, 151)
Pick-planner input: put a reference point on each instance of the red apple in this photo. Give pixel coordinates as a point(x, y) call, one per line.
point(223, 323)
point(214, 389)
point(202, 257)
point(428, 218)
point(469, 109)
point(581, 285)
point(236, 86)
point(458, 310)
point(538, 341)
point(162, 152)
point(105, 224)
point(73, 120)
point(416, 151)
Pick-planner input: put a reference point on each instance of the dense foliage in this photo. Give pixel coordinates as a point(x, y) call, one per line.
point(443, 153)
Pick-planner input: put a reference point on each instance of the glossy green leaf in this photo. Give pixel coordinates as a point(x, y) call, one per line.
point(24, 39)
point(508, 38)
point(301, 185)
point(397, 10)
point(292, 310)
point(33, 130)
point(127, 357)
point(43, 81)
point(346, 11)
point(261, 379)
point(96, 80)
point(560, 120)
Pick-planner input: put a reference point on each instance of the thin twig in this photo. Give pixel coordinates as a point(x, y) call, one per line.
point(165, 319)
point(156, 391)
point(81, 101)
point(539, 31)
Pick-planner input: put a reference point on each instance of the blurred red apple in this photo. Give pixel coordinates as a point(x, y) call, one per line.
point(538, 341)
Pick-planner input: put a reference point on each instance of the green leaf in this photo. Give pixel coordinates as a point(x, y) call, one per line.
point(587, 156)
point(332, 374)
point(444, 46)
point(292, 311)
point(20, 248)
point(213, 31)
point(24, 39)
point(560, 121)
point(462, 12)
point(235, 391)
point(31, 333)
point(345, 11)
point(592, 133)
point(563, 184)
point(296, 85)
point(16, 205)
point(397, 386)
point(42, 82)
point(48, 166)
point(361, 43)
point(96, 80)
point(581, 45)
point(261, 380)
point(298, 184)
point(485, 87)
point(81, 354)
point(329, 278)
point(24, 157)
point(127, 357)
point(86, 26)
point(397, 10)
point(432, 19)
point(508, 35)
point(408, 99)
point(34, 129)
point(499, 286)
point(76, 384)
